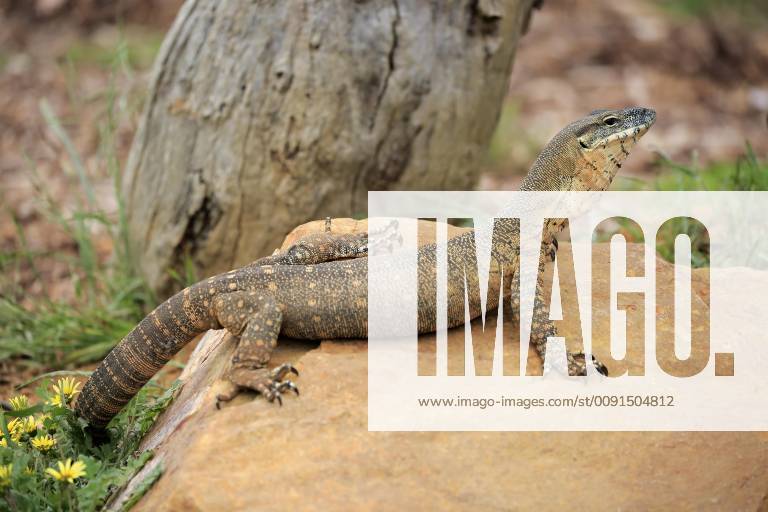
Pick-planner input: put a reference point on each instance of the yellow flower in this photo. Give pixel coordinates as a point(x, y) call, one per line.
point(19, 402)
point(68, 471)
point(29, 424)
point(66, 387)
point(4, 443)
point(5, 474)
point(16, 429)
point(19, 426)
point(13, 425)
point(29, 471)
point(44, 443)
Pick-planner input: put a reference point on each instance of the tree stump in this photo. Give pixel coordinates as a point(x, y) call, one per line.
point(265, 114)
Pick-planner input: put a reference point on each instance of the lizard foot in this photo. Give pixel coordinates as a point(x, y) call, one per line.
point(577, 364)
point(385, 240)
point(268, 382)
point(274, 386)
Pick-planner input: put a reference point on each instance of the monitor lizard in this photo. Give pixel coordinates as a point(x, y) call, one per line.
point(317, 289)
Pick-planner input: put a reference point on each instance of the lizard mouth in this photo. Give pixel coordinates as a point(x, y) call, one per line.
point(633, 133)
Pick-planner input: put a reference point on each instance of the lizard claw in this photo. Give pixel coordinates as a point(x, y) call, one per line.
point(229, 392)
point(276, 390)
point(269, 383)
point(286, 386)
point(281, 371)
point(277, 386)
point(600, 367)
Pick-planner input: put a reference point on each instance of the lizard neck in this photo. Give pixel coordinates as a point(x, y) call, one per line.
point(584, 156)
point(561, 166)
point(556, 165)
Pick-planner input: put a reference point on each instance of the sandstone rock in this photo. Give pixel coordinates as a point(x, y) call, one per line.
point(315, 452)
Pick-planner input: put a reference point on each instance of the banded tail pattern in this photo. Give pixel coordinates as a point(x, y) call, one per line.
point(141, 354)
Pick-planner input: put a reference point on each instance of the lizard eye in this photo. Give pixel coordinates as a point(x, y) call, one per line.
point(611, 120)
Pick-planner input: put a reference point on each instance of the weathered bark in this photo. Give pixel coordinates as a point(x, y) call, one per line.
point(265, 114)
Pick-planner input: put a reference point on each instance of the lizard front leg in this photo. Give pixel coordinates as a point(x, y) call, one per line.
point(542, 328)
point(255, 318)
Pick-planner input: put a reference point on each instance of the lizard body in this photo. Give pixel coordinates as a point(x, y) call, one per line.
point(318, 289)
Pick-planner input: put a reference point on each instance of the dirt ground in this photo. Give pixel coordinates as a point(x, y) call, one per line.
point(707, 78)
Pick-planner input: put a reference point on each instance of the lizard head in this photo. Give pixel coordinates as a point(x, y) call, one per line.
point(587, 153)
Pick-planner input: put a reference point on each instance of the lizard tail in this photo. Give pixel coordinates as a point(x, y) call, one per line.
point(139, 356)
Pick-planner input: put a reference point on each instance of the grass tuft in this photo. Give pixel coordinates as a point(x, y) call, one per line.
point(108, 295)
point(746, 173)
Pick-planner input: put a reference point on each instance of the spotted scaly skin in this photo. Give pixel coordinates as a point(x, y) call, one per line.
point(318, 288)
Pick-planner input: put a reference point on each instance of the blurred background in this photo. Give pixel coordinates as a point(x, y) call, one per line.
point(73, 74)
point(702, 64)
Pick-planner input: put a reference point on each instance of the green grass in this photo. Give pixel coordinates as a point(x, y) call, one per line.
point(502, 155)
point(507, 128)
point(746, 173)
point(25, 483)
point(135, 47)
point(110, 297)
point(753, 11)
